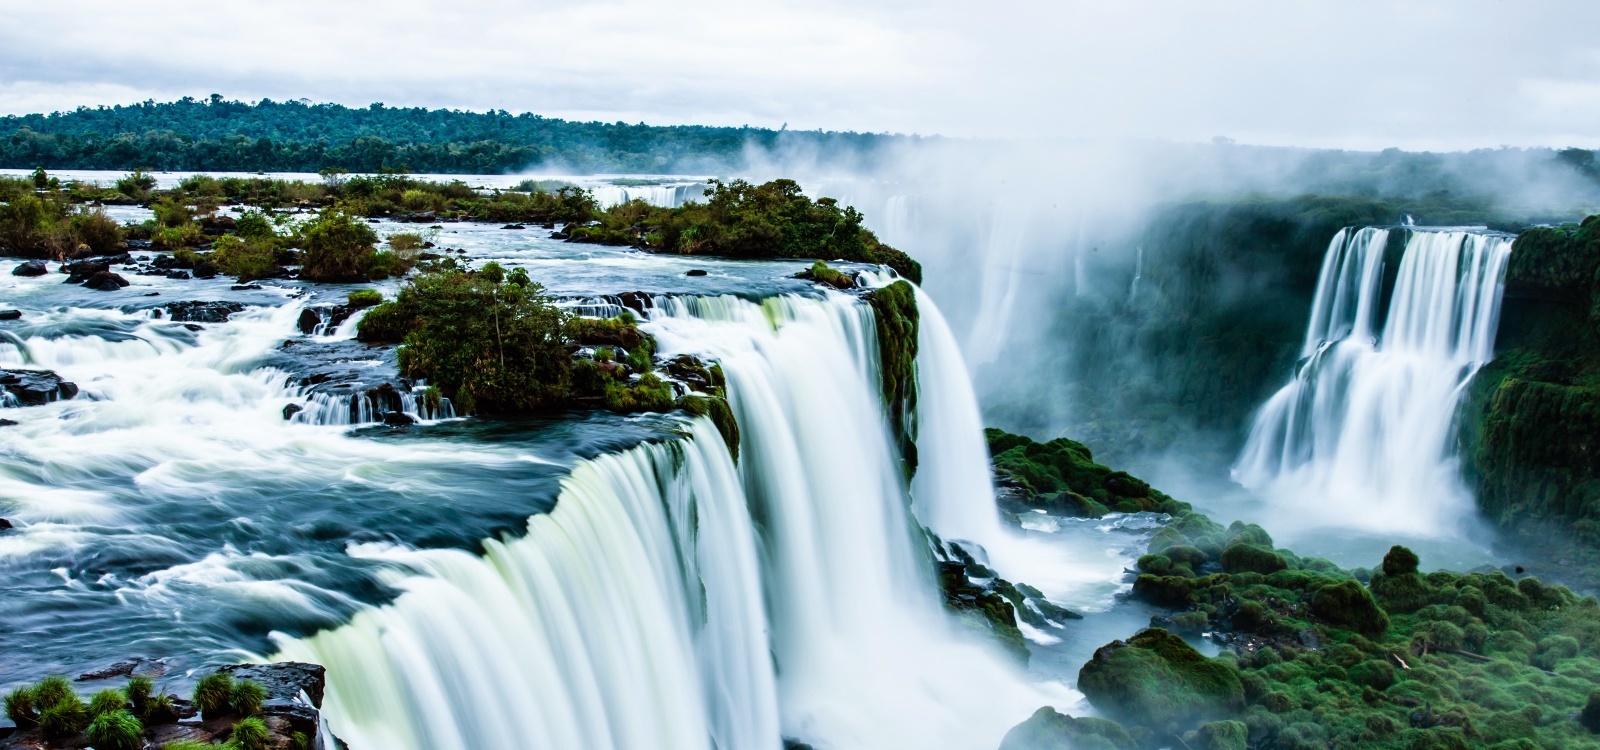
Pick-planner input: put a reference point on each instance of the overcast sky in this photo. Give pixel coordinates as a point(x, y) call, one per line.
point(1440, 75)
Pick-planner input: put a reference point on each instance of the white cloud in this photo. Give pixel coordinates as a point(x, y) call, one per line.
point(1357, 73)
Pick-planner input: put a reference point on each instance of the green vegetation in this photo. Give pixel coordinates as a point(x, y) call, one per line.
point(247, 697)
point(740, 220)
point(894, 309)
point(107, 700)
point(1061, 477)
point(822, 273)
point(250, 734)
point(20, 707)
point(218, 135)
point(213, 694)
point(337, 248)
point(47, 226)
point(364, 298)
point(1155, 679)
point(64, 716)
point(1536, 408)
point(491, 342)
point(115, 730)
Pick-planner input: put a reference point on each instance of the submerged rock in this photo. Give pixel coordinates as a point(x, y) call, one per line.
point(106, 281)
point(10, 314)
point(30, 268)
point(36, 387)
point(80, 271)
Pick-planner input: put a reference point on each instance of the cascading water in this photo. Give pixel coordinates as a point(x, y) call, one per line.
point(1363, 433)
point(659, 612)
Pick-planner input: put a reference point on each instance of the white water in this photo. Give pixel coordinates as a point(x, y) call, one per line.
point(1364, 434)
point(821, 621)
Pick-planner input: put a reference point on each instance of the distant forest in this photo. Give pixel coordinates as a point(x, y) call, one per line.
point(220, 135)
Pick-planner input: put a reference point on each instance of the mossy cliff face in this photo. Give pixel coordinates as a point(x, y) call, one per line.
point(1061, 477)
point(894, 307)
point(1532, 426)
point(1321, 656)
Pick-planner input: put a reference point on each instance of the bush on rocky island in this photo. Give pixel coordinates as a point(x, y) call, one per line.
point(337, 248)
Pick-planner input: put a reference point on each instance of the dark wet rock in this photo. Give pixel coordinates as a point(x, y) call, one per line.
point(179, 275)
point(138, 245)
point(513, 226)
point(5, 524)
point(636, 301)
point(30, 268)
point(106, 281)
point(36, 387)
point(10, 314)
point(8, 423)
point(245, 287)
point(289, 410)
point(118, 669)
point(205, 270)
point(398, 419)
point(166, 261)
point(202, 312)
point(80, 271)
point(284, 681)
point(309, 320)
point(695, 272)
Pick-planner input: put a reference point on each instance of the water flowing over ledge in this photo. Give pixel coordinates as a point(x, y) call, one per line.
point(1364, 433)
point(674, 600)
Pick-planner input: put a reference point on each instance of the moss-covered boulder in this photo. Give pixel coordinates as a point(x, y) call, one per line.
point(1248, 558)
point(1222, 735)
point(1048, 729)
point(1061, 477)
point(1157, 680)
point(1350, 606)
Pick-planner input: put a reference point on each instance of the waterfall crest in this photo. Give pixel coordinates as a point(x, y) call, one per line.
point(674, 600)
point(1364, 431)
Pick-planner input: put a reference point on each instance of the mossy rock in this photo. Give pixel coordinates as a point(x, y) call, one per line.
point(1157, 680)
point(1349, 605)
point(1248, 558)
point(1048, 729)
point(1222, 735)
point(1401, 594)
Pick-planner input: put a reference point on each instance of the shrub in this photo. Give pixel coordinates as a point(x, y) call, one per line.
point(406, 241)
point(245, 259)
point(189, 745)
point(136, 184)
point(337, 248)
point(20, 707)
point(115, 730)
point(159, 710)
point(384, 264)
point(250, 734)
point(650, 393)
point(255, 225)
point(170, 238)
point(490, 347)
point(364, 298)
point(92, 227)
point(247, 697)
point(65, 717)
point(107, 700)
point(52, 690)
point(213, 694)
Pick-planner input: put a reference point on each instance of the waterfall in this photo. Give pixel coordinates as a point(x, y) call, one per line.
point(1364, 431)
point(674, 600)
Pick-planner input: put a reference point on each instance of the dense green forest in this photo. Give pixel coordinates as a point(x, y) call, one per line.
point(220, 135)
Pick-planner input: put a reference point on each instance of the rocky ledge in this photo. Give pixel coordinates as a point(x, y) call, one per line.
point(244, 707)
point(33, 388)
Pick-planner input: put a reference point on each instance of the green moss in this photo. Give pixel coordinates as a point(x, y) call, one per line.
point(364, 298)
point(1349, 605)
point(115, 730)
point(1248, 558)
point(721, 415)
point(1222, 735)
point(823, 274)
point(1049, 730)
point(1155, 679)
point(894, 310)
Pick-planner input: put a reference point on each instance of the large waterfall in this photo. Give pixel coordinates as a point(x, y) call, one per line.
point(1364, 433)
point(673, 599)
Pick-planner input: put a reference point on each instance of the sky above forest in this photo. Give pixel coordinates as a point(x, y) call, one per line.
point(1442, 75)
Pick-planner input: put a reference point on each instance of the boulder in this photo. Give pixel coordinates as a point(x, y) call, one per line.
point(1048, 729)
point(289, 410)
point(398, 419)
point(1248, 558)
point(1222, 735)
point(1157, 680)
point(1349, 605)
point(5, 524)
point(30, 268)
point(309, 320)
point(179, 275)
point(10, 314)
point(80, 271)
point(202, 312)
point(695, 272)
point(36, 387)
point(8, 423)
point(106, 281)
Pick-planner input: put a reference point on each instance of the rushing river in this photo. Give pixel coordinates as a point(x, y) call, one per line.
point(579, 580)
